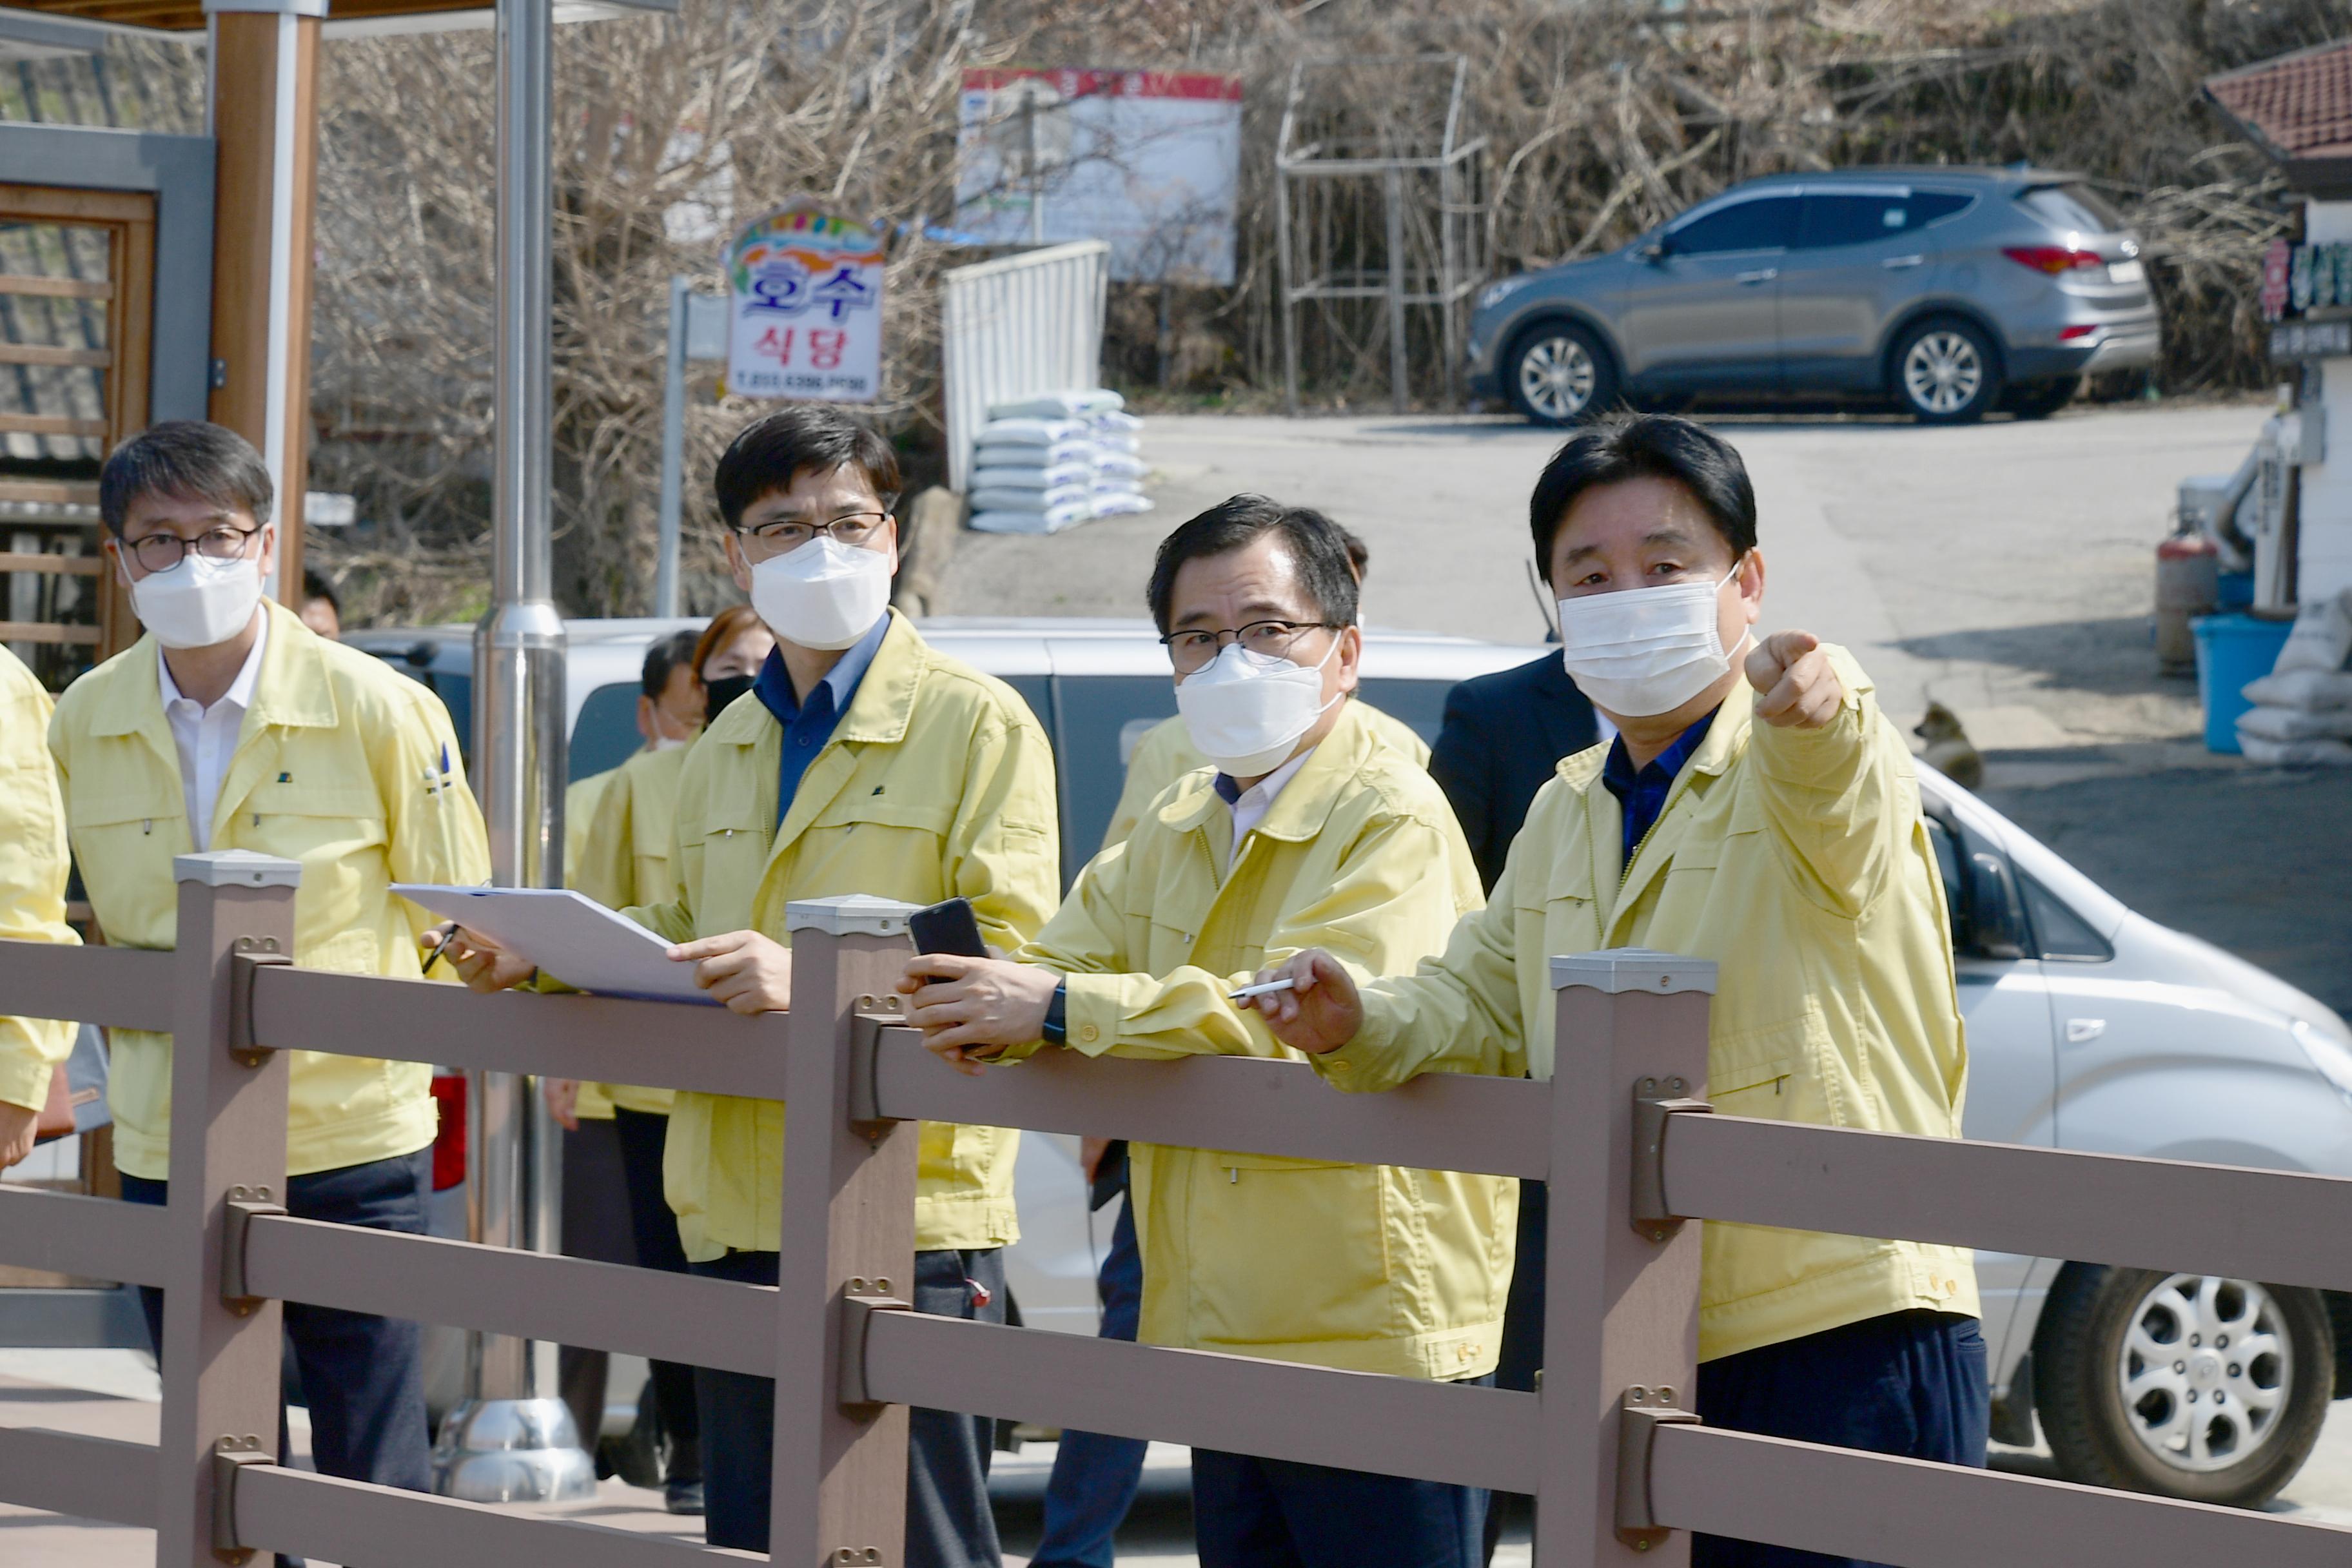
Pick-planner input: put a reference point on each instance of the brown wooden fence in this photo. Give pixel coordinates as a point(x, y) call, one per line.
point(1621, 1471)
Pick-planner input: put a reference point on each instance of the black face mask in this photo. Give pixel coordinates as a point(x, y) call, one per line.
point(718, 694)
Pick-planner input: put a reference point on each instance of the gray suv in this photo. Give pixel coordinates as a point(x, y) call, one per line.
point(1950, 291)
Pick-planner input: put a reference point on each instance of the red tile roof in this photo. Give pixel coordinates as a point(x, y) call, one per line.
point(2299, 105)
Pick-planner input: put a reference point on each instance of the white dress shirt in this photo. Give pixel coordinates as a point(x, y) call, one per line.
point(205, 738)
point(1250, 806)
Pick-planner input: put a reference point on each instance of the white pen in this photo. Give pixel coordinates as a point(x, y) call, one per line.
point(1268, 989)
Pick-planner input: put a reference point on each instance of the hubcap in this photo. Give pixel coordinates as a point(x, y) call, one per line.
point(1556, 377)
point(2205, 1370)
point(1943, 372)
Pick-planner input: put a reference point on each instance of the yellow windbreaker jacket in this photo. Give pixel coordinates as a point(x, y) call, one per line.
point(1797, 860)
point(595, 1101)
point(343, 764)
point(1371, 1269)
point(938, 782)
point(1166, 754)
point(624, 859)
point(32, 875)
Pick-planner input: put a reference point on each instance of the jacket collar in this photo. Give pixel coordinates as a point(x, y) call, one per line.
point(879, 711)
point(1306, 802)
point(1726, 738)
point(293, 688)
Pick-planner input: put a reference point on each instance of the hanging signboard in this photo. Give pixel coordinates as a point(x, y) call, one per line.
point(805, 307)
point(1150, 161)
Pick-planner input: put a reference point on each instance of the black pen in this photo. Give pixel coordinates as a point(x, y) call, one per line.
point(435, 956)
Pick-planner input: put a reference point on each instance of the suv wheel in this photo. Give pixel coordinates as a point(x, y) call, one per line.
point(1559, 374)
point(2194, 1387)
point(2041, 399)
point(1945, 371)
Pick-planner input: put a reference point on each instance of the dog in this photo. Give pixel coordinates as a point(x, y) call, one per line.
point(1949, 747)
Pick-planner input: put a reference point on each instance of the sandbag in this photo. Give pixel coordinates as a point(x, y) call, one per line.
point(2296, 724)
point(1077, 403)
point(1116, 504)
point(2322, 637)
point(1031, 432)
point(1012, 500)
point(1028, 478)
point(2310, 690)
point(1000, 455)
point(2294, 754)
point(1052, 520)
point(1121, 463)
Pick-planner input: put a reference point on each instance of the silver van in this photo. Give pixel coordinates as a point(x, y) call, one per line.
point(2089, 1026)
point(1949, 292)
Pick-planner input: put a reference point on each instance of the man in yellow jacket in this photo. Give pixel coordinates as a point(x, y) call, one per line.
point(1312, 830)
point(231, 725)
point(32, 898)
point(1756, 809)
point(861, 761)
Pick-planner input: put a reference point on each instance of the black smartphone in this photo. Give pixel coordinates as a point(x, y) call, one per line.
point(947, 927)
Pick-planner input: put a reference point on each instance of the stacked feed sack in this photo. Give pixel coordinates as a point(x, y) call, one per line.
point(1050, 462)
point(2303, 708)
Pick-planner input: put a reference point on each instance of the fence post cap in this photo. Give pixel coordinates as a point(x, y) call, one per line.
point(852, 914)
point(236, 869)
point(1621, 969)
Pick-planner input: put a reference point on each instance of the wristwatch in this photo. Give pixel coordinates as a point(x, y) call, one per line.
point(1057, 1016)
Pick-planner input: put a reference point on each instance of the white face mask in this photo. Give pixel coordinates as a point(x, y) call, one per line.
point(1245, 711)
point(825, 595)
point(668, 742)
point(199, 601)
point(1645, 651)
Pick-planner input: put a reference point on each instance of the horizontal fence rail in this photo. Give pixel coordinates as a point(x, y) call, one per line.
point(602, 1039)
point(87, 1477)
point(113, 988)
point(1444, 1122)
point(2284, 1227)
point(1317, 1415)
point(96, 1238)
point(1881, 1508)
point(681, 1317)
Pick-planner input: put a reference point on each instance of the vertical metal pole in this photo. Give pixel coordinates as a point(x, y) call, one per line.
point(1449, 282)
point(511, 1440)
point(220, 1361)
point(1621, 1306)
point(1036, 178)
point(1284, 298)
point(673, 456)
point(1393, 201)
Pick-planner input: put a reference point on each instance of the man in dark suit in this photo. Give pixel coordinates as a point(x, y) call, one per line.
point(1503, 736)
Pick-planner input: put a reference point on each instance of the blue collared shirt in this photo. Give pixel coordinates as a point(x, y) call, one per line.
point(1642, 795)
point(808, 726)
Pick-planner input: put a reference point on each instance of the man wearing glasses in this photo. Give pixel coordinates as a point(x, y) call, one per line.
point(1308, 830)
point(861, 761)
point(231, 725)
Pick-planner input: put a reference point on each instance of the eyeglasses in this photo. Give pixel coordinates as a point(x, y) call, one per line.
point(162, 552)
point(785, 535)
point(1190, 650)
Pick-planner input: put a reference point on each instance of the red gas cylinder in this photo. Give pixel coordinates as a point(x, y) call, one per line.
point(2188, 585)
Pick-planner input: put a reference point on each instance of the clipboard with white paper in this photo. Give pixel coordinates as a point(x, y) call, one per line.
point(568, 935)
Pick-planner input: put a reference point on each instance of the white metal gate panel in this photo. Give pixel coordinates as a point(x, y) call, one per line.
point(1016, 327)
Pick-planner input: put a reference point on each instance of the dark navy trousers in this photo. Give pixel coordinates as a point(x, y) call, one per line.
point(949, 1523)
point(362, 1376)
point(1909, 1383)
point(644, 1136)
point(1094, 1476)
point(1249, 1512)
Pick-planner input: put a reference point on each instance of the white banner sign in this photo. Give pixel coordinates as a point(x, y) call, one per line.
point(805, 307)
point(1150, 161)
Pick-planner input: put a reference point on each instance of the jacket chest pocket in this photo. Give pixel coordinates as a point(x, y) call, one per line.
point(124, 840)
point(1776, 1073)
point(309, 823)
point(733, 854)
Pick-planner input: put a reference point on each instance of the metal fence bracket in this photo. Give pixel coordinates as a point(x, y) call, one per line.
point(1656, 1101)
point(243, 1202)
point(231, 1455)
point(872, 1015)
point(1639, 1415)
point(864, 1300)
point(248, 960)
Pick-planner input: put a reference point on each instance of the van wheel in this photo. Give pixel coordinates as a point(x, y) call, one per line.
point(1559, 374)
point(2186, 1385)
point(1945, 370)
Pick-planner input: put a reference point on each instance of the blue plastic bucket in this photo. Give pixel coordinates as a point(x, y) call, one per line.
point(2231, 651)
